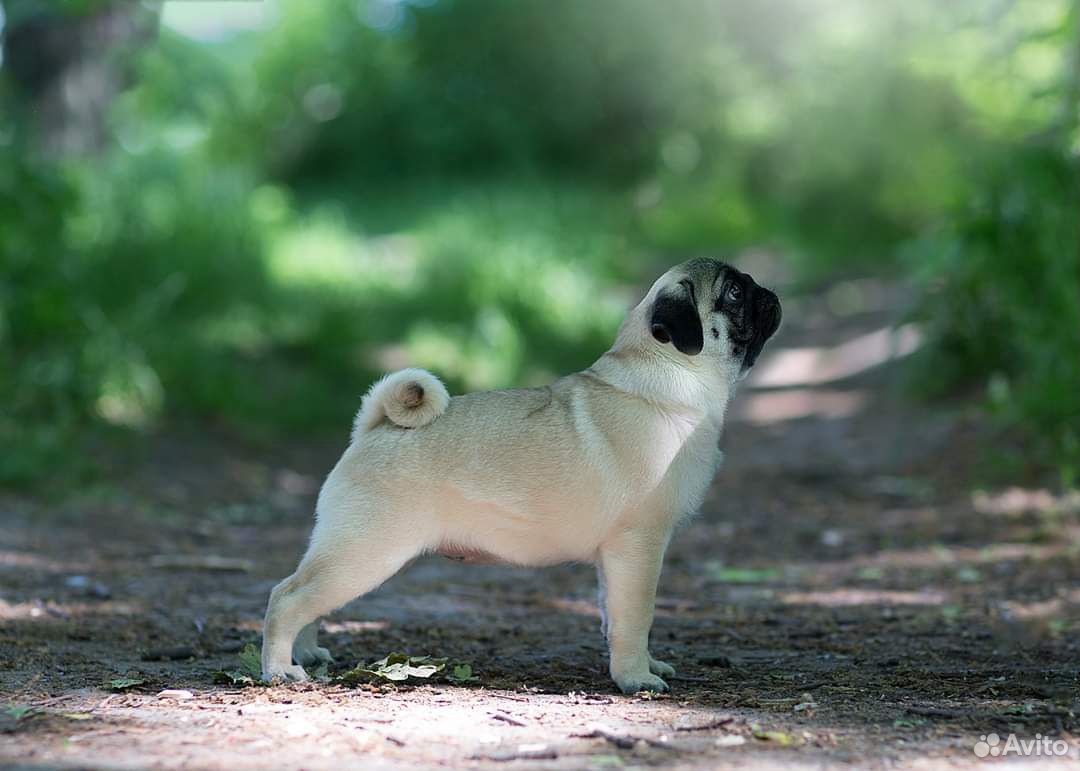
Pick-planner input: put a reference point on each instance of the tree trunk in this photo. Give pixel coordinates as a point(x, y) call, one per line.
point(66, 67)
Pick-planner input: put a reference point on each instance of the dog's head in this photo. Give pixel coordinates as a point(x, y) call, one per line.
point(705, 307)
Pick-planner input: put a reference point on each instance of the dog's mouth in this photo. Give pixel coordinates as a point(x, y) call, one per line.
point(741, 336)
point(740, 333)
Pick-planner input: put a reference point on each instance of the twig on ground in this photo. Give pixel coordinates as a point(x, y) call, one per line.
point(938, 712)
point(523, 752)
point(717, 722)
point(507, 719)
point(622, 741)
point(54, 700)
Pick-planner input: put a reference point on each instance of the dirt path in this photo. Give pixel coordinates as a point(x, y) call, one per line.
point(844, 599)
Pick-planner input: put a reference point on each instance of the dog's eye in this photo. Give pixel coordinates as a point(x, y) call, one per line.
point(733, 293)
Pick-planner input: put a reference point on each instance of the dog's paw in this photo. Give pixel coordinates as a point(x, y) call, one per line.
point(660, 667)
point(279, 675)
point(645, 681)
point(312, 656)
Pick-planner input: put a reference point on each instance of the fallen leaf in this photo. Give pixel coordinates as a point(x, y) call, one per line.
point(395, 667)
point(18, 711)
point(905, 723)
point(777, 737)
point(125, 683)
point(968, 575)
point(870, 573)
point(233, 677)
point(251, 661)
point(717, 572)
point(462, 673)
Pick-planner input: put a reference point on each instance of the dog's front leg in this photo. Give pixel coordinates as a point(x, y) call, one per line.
point(630, 567)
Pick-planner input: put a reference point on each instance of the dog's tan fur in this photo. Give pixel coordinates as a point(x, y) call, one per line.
point(600, 467)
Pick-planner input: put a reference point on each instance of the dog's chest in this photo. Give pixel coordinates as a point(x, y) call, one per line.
point(692, 471)
point(668, 467)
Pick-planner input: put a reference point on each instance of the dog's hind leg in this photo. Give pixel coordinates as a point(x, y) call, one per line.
point(306, 650)
point(601, 598)
point(329, 576)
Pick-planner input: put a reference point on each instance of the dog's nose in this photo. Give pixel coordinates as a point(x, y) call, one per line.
point(767, 314)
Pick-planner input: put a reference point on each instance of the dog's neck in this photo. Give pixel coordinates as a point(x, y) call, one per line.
point(698, 387)
point(647, 372)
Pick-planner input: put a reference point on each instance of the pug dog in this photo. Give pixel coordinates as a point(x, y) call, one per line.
point(600, 467)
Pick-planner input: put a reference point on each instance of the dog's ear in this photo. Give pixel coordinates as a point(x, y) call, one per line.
point(766, 320)
point(675, 320)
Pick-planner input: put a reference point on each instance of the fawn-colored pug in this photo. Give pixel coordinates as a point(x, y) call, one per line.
point(599, 467)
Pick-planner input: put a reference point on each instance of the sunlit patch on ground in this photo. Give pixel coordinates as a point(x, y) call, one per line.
point(19, 611)
point(983, 555)
point(819, 365)
point(843, 597)
point(11, 558)
point(1019, 500)
point(353, 627)
point(801, 381)
point(771, 407)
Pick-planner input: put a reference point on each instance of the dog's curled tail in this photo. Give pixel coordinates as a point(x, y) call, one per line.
point(410, 398)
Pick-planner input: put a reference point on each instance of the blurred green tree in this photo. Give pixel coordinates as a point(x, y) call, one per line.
point(460, 183)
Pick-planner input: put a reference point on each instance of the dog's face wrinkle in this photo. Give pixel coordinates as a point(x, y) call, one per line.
point(741, 329)
point(689, 284)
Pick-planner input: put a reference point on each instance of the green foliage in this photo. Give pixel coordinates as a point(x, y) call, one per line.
point(18, 712)
point(235, 678)
point(251, 660)
point(1000, 270)
point(716, 571)
point(249, 672)
point(466, 86)
point(462, 674)
point(111, 279)
point(40, 326)
point(1003, 302)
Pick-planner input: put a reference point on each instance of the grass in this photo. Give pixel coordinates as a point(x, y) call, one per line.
point(270, 315)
